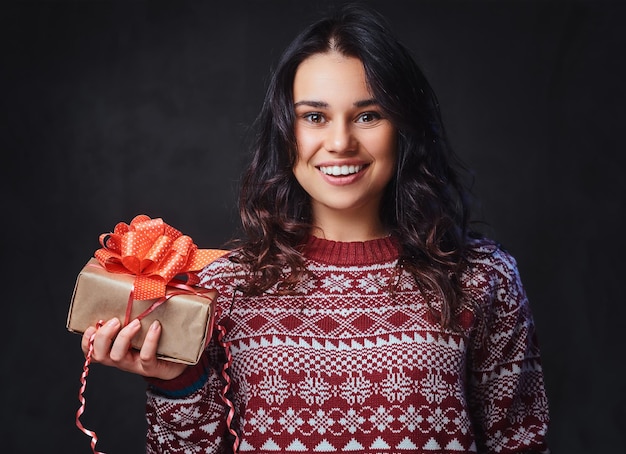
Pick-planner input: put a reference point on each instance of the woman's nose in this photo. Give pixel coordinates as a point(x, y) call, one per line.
point(340, 138)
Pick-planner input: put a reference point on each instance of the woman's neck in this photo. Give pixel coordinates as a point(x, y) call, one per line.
point(348, 235)
point(347, 228)
point(359, 222)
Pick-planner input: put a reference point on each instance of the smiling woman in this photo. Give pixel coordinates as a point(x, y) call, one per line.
point(346, 147)
point(358, 312)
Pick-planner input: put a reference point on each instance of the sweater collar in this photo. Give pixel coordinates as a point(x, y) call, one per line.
point(351, 253)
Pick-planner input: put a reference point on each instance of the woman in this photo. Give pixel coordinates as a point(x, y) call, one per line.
point(359, 313)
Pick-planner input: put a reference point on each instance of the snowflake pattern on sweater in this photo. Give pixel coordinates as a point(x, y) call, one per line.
point(356, 362)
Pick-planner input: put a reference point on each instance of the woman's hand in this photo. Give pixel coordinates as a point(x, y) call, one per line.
point(112, 347)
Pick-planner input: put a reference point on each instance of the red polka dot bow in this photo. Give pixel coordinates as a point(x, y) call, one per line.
point(155, 253)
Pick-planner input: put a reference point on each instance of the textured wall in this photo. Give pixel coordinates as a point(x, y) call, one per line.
point(111, 109)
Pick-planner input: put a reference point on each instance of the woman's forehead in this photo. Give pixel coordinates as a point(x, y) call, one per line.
point(327, 76)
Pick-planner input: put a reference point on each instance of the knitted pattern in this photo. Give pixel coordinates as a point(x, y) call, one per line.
point(355, 361)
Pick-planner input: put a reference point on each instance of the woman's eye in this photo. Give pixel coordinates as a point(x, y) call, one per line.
point(368, 117)
point(314, 117)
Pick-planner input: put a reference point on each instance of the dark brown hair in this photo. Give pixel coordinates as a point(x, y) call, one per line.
point(424, 206)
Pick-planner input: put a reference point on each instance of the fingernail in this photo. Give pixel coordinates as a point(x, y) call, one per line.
point(155, 325)
point(113, 322)
point(135, 323)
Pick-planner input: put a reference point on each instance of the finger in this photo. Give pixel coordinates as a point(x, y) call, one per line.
point(122, 343)
point(104, 338)
point(153, 366)
point(86, 338)
point(148, 352)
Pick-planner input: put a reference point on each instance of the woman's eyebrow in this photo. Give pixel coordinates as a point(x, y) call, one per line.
point(325, 105)
point(317, 104)
point(366, 103)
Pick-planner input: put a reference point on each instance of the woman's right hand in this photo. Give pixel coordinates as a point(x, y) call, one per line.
point(112, 347)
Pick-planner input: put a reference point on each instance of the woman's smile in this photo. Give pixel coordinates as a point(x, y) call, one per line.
point(341, 170)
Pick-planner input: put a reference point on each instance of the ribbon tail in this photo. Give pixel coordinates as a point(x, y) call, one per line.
point(81, 393)
point(226, 377)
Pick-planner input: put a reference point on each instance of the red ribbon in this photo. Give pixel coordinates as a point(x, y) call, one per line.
point(155, 253)
point(224, 372)
point(81, 392)
point(183, 289)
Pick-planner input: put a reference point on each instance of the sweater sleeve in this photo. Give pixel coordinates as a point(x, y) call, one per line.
point(506, 392)
point(187, 414)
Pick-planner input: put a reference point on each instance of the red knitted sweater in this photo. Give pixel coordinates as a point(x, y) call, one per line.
point(356, 362)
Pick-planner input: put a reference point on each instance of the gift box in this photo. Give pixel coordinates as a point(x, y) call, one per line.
point(134, 276)
point(186, 319)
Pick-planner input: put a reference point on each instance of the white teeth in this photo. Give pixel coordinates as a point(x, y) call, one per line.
point(340, 170)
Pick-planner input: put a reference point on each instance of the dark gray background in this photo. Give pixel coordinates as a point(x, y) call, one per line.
point(112, 109)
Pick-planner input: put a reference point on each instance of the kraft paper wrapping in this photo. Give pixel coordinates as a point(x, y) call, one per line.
point(186, 319)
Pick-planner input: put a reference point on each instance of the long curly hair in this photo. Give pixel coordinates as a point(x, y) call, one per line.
point(425, 205)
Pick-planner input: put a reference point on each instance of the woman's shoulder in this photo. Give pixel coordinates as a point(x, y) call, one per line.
point(489, 252)
point(489, 265)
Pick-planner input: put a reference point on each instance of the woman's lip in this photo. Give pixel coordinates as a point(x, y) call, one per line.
point(343, 180)
point(341, 169)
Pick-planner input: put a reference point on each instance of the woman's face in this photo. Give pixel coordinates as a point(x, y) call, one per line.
point(346, 145)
